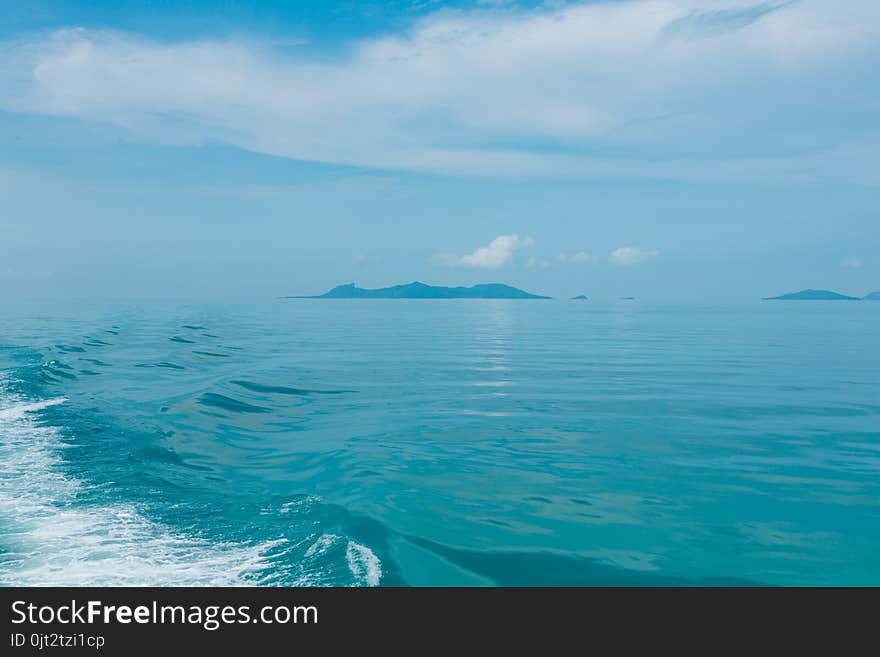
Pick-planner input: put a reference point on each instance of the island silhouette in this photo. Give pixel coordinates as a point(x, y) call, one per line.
point(812, 295)
point(580, 297)
point(418, 290)
point(872, 296)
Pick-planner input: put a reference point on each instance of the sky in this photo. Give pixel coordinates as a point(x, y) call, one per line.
point(670, 149)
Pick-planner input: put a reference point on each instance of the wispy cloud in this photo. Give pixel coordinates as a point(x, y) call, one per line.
point(852, 262)
point(650, 88)
point(701, 23)
point(537, 263)
point(498, 253)
point(631, 255)
point(366, 259)
point(579, 257)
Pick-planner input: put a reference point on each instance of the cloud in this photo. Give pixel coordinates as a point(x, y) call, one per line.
point(631, 255)
point(579, 257)
point(537, 263)
point(852, 262)
point(702, 23)
point(498, 253)
point(644, 88)
point(365, 259)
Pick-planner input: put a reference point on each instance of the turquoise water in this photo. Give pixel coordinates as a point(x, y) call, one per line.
point(309, 442)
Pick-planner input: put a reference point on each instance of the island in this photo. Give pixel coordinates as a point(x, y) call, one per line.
point(417, 290)
point(872, 296)
point(580, 297)
point(812, 295)
point(627, 298)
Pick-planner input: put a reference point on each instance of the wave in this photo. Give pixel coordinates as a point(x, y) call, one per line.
point(49, 537)
point(52, 535)
point(283, 390)
point(229, 404)
point(163, 364)
point(362, 562)
point(70, 349)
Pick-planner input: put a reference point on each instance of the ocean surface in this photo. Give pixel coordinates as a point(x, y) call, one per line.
point(469, 442)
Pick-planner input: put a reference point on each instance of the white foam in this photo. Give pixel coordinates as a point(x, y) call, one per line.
point(18, 410)
point(322, 545)
point(363, 564)
point(49, 538)
point(295, 505)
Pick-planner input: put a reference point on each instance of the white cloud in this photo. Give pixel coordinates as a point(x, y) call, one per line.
point(537, 263)
point(631, 255)
point(852, 262)
point(364, 260)
point(498, 253)
point(680, 88)
point(580, 256)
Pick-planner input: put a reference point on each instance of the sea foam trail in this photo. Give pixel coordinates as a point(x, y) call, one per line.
point(49, 537)
point(363, 564)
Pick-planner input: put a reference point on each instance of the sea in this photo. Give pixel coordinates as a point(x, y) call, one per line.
point(308, 442)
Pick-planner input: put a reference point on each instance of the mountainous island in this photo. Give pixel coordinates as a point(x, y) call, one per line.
point(812, 295)
point(417, 290)
point(872, 296)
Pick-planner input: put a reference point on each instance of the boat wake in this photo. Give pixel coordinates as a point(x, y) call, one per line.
point(50, 535)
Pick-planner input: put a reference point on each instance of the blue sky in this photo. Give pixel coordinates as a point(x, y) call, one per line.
point(678, 149)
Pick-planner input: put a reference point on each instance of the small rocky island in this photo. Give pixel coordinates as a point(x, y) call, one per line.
point(417, 290)
point(812, 295)
point(580, 297)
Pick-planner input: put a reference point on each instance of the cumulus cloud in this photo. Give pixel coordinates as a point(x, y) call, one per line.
point(498, 253)
point(686, 89)
point(852, 262)
point(580, 256)
point(631, 255)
